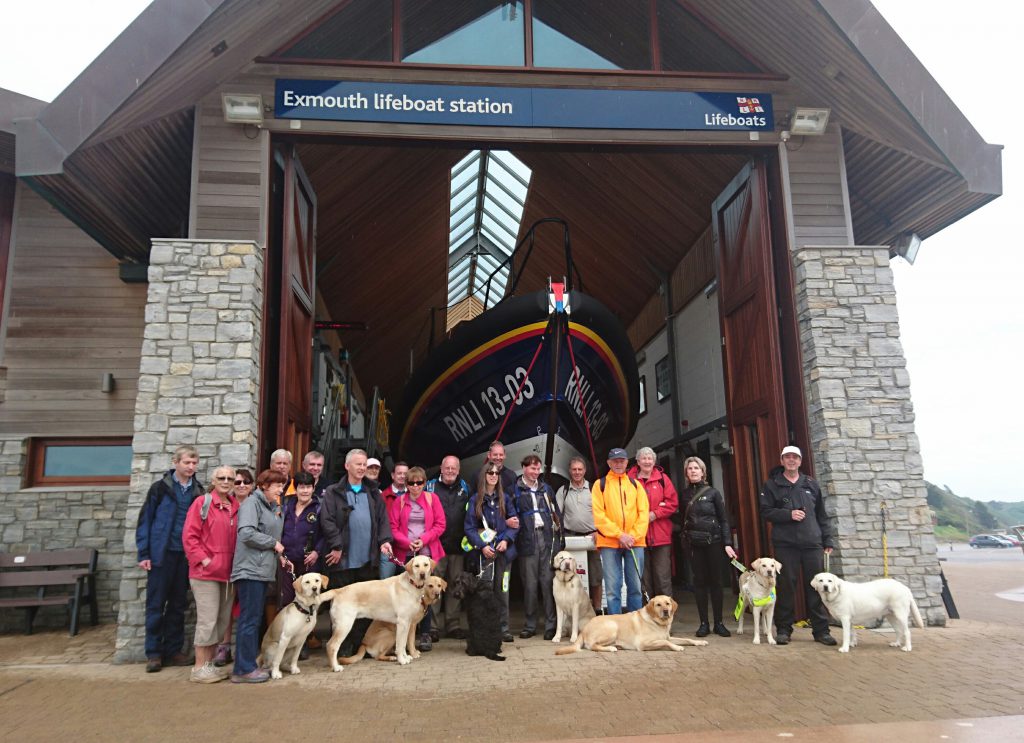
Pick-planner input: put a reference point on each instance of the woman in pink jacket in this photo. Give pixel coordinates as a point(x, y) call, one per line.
point(664, 501)
point(209, 541)
point(417, 523)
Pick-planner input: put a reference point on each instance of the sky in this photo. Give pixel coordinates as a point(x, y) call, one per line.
point(960, 304)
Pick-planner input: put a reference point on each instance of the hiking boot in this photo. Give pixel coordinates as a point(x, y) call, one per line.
point(456, 634)
point(506, 636)
point(223, 656)
point(704, 630)
point(721, 630)
point(205, 674)
point(526, 634)
point(255, 676)
point(153, 665)
point(435, 635)
point(782, 638)
point(825, 640)
point(549, 635)
point(423, 644)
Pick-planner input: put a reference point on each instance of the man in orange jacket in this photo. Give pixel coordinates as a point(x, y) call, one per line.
point(621, 517)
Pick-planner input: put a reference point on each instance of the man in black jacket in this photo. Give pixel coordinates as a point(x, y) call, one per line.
point(801, 534)
point(453, 492)
point(356, 529)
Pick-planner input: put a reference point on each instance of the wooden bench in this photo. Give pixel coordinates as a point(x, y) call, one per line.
point(72, 570)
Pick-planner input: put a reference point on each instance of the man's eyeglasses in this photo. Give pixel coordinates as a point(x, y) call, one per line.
point(242, 482)
point(412, 483)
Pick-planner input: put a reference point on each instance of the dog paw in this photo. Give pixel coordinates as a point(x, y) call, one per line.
point(404, 661)
point(275, 674)
point(905, 649)
point(700, 642)
point(414, 654)
point(895, 645)
point(294, 670)
point(844, 650)
point(757, 641)
point(337, 669)
point(559, 639)
point(613, 649)
point(771, 641)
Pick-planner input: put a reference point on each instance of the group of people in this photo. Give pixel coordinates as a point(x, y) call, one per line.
point(247, 539)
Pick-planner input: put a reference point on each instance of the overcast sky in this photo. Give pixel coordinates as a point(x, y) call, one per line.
point(960, 304)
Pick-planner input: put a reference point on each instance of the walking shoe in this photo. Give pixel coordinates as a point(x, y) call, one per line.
point(205, 674)
point(179, 659)
point(526, 634)
point(782, 638)
point(721, 630)
point(824, 640)
point(255, 676)
point(223, 656)
point(549, 635)
point(456, 634)
point(423, 644)
point(704, 630)
point(506, 636)
point(153, 665)
point(435, 635)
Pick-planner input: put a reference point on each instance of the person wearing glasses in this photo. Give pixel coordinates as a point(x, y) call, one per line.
point(490, 538)
point(242, 489)
point(417, 523)
point(453, 492)
point(209, 541)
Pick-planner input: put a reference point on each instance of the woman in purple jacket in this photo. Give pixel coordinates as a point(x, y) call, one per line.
point(301, 537)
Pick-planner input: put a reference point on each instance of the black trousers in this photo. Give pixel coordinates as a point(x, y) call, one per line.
point(707, 561)
point(794, 560)
point(347, 577)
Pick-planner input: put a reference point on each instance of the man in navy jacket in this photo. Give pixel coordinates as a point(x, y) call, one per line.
point(161, 554)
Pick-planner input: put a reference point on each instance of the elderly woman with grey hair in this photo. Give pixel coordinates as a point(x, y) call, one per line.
point(663, 500)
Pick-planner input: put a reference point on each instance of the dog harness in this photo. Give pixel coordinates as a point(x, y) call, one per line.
point(740, 603)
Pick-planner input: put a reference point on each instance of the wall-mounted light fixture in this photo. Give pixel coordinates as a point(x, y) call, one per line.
point(107, 383)
point(806, 122)
point(907, 245)
point(242, 108)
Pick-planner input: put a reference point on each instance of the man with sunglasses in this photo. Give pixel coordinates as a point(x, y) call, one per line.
point(453, 492)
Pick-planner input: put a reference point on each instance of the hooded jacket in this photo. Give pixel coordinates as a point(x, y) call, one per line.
point(259, 530)
point(213, 538)
point(662, 500)
point(156, 518)
point(621, 507)
point(779, 498)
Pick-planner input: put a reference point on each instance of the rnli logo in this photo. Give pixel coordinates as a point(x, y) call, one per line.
point(749, 105)
point(311, 518)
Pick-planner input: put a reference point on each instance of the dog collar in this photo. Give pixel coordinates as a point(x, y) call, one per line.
point(308, 612)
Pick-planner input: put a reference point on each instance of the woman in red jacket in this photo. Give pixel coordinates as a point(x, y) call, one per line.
point(663, 501)
point(417, 523)
point(209, 541)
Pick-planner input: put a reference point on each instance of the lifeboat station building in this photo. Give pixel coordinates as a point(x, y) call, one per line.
point(244, 223)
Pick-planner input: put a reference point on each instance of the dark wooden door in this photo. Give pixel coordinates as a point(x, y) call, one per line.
point(752, 362)
point(298, 301)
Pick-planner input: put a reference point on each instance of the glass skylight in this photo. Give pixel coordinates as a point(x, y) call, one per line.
point(488, 195)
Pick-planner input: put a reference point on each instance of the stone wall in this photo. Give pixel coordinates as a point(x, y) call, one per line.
point(861, 418)
point(198, 383)
point(33, 519)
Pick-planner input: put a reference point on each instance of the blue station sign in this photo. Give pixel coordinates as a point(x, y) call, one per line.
point(480, 105)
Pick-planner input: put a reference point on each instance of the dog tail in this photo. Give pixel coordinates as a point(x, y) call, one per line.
point(353, 658)
point(916, 614)
point(574, 648)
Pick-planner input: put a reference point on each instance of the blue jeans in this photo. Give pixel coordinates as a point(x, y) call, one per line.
point(166, 602)
point(252, 595)
point(616, 563)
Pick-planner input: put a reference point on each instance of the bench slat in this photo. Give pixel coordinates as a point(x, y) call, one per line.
point(31, 601)
point(25, 578)
point(47, 558)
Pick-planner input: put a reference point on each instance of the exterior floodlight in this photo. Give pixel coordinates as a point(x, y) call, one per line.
point(907, 245)
point(809, 121)
point(242, 108)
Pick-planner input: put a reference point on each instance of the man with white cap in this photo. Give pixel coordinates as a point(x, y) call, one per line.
point(373, 469)
point(801, 534)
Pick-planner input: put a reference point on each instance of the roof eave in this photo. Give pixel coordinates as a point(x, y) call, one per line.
point(44, 143)
point(979, 162)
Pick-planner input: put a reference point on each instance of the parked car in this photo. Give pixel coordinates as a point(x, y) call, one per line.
point(1011, 538)
point(989, 540)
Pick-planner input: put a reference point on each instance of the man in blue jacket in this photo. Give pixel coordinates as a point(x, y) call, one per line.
point(162, 556)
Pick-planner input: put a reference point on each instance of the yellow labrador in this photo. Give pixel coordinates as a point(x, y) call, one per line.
point(757, 588)
point(379, 640)
point(571, 597)
point(396, 599)
point(292, 625)
point(644, 629)
point(856, 603)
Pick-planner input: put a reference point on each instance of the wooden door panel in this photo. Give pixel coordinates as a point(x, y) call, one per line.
point(751, 356)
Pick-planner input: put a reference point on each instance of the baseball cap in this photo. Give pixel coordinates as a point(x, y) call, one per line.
point(792, 450)
point(618, 454)
point(373, 462)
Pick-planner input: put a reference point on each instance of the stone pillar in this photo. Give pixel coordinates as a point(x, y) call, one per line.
point(862, 419)
point(199, 383)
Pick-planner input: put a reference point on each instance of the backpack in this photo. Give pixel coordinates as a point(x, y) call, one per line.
point(605, 478)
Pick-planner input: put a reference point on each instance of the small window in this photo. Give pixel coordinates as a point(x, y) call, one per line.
point(471, 32)
point(663, 381)
point(643, 394)
point(80, 461)
point(608, 35)
point(334, 38)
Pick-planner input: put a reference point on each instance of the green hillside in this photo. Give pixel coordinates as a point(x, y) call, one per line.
point(960, 517)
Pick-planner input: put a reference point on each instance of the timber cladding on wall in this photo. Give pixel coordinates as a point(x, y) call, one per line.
point(69, 321)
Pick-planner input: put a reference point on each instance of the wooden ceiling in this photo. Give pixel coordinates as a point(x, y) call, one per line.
point(382, 238)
